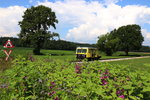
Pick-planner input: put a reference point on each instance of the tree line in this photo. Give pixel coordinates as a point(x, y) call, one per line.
point(48, 44)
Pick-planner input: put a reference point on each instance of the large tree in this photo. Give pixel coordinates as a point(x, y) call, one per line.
point(130, 37)
point(35, 26)
point(107, 44)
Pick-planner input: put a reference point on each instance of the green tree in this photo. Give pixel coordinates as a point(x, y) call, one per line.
point(107, 44)
point(130, 37)
point(35, 26)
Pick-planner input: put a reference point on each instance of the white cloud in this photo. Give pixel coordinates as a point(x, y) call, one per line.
point(30, 1)
point(107, 2)
point(91, 19)
point(9, 18)
point(86, 19)
point(146, 35)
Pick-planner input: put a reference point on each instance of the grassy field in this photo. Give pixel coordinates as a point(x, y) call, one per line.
point(142, 64)
point(63, 56)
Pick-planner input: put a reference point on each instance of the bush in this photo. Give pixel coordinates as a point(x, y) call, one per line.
point(55, 81)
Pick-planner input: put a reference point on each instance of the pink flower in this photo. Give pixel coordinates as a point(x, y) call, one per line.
point(50, 87)
point(52, 83)
point(122, 96)
point(51, 93)
point(77, 69)
point(104, 77)
point(56, 98)
point(118, 92)
point(104, 82)
point(99, 70)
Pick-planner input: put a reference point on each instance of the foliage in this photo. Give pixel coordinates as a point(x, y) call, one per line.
point(107, 44)
point(65, 81)
point(145, 49)
point(35, 26)
point(126, 38)
point(130, 37)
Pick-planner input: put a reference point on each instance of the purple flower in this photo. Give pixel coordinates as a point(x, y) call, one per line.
point(104, 82)
point(122, 96)
point(50, 87)
point(104, 77)
point(51, 93)
point(118, 92)
point(56, 98)
point(52, 83)
point(77, 69)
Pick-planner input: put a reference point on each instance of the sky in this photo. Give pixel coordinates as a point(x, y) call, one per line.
point(80, 20)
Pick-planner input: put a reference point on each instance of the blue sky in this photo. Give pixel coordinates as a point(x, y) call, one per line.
point(7, 3)
point(80, 20)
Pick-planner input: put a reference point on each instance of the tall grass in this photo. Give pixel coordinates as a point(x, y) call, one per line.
point(5, 64)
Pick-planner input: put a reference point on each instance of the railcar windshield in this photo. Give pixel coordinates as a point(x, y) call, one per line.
point(81, 50)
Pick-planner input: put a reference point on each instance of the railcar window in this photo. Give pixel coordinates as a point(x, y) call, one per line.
point(81, 50)
point(78, 50)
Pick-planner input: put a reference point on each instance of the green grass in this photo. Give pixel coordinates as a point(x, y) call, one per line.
point(63, 54)
point(60, 55)
point(142, 64)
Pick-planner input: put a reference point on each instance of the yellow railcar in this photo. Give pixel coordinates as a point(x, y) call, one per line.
point(87, 52)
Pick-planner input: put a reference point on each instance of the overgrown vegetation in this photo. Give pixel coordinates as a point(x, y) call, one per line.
point(59, 81)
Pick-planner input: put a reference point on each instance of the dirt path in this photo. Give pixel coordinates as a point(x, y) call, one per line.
point(108, 60)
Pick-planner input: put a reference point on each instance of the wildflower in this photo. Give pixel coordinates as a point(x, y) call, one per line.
point(50, 87)
point(99, 71)
point(122, 96)
point(52, 83)
point(104, 82)
point(104, 77)
point(77, 69)
point(118, 92)
point(106, 72)
point(51, 93)
point(56, 98)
